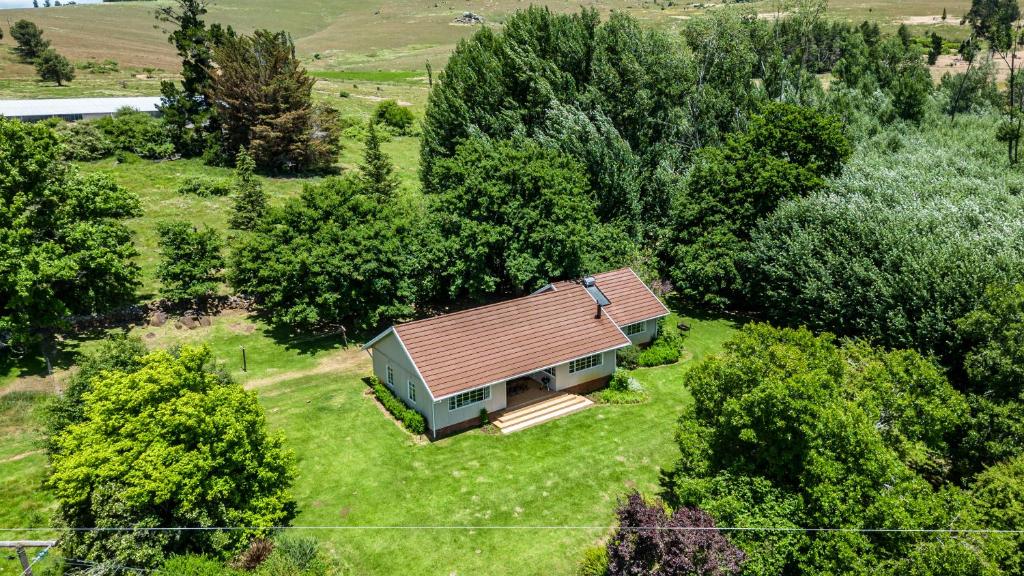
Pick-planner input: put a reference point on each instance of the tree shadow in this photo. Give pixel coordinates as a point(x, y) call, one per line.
point(690, 310)
point(308, 342)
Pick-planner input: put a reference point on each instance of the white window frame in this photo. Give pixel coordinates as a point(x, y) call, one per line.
point(586, 363)
point(635, 328)
point(469, 398)
point(412, 391)
point(390, 377)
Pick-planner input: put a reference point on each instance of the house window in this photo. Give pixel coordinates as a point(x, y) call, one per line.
point(635, 328)
point(467, 398)
point(585, 363)
point(549, 371)
point(391, 377)
point(412, 391)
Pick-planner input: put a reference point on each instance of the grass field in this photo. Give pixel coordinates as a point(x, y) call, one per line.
point(393, 39)
point(357, 468)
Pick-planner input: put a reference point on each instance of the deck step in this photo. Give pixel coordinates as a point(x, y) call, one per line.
point(541, 412)
point(537, 408)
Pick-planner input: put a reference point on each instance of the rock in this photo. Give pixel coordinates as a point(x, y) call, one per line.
point(189, 322)
point(150, 335)
point(177, 325)
point(469, 18)
point(204, 321)
point(158, 318)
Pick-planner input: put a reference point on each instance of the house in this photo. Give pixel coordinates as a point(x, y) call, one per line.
point(73, 109)
point(560, 340)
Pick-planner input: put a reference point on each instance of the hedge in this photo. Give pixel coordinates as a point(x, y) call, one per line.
point(411, 419)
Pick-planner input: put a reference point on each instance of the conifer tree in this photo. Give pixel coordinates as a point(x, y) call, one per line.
point(378, 172)
point(250, 199)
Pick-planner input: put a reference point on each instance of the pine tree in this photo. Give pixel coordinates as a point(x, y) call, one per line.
point(936, 49)
point(904, 34)
point(53, 67)
point(378, 172)
point(250, 199)
point(944, 15)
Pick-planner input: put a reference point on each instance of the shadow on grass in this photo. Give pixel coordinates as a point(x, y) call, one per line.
point(307, 342)
point(689, 310)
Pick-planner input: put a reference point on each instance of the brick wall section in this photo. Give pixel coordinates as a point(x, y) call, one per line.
point(581, 389)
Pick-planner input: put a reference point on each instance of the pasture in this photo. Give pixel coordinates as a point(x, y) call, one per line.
point(390, 38)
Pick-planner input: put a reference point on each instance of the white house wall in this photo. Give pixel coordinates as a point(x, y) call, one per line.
point(563, 379)
point(650, 331)
point(444, 417)
point(389, 351)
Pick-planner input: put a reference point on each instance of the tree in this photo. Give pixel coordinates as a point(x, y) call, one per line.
point(392, 114)
point(944, 14)
point(170, 443)
point(936, 49)
point(115, 353)
point(264, 101)
point(29, 39)
point(187, 111)
point(190, 261)
point(250, 200)
point(895, 227)
point(991, 342)
point(544, 70)
point(786, 153)
point(54, 67)
point(904, 34)
point(337, 255)
point(63, 247)
point(513, 216)
point(998, 498)
point(378, 172)
point(998, 22)
point(652, 542)
point(792, 429)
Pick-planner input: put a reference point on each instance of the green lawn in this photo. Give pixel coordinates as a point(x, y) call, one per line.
point(358, 469)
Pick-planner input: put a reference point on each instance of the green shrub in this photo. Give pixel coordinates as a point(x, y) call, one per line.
point(391, 113)
point(192, 565)
point(141, 134)
point(622, 389)
point(205, 187)
point(296, 556)
point(619, 381)
point(661, 353)
point(666, 348)
point(83, 141)
point(484, 419)
point(627, 357)
point(594, 562)
point(411, 419)
point(124, 157)
point(344, 94)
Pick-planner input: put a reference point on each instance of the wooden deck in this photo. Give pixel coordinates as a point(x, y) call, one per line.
point(557, 405)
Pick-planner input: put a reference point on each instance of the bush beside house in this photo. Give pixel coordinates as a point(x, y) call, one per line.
point(411, 419)
point(666, 348)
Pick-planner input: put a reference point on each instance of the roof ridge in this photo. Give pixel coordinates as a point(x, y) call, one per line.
point(478, 308)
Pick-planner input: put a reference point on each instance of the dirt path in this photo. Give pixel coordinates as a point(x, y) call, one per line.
point(350, 360)
point(21, 456)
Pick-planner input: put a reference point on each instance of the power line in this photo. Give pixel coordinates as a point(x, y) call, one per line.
point(524, 527)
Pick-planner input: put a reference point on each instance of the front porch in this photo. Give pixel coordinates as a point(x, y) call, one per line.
point(527, 390)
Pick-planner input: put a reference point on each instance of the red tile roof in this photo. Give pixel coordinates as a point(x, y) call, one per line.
point(468, 349)
point(630, 299)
